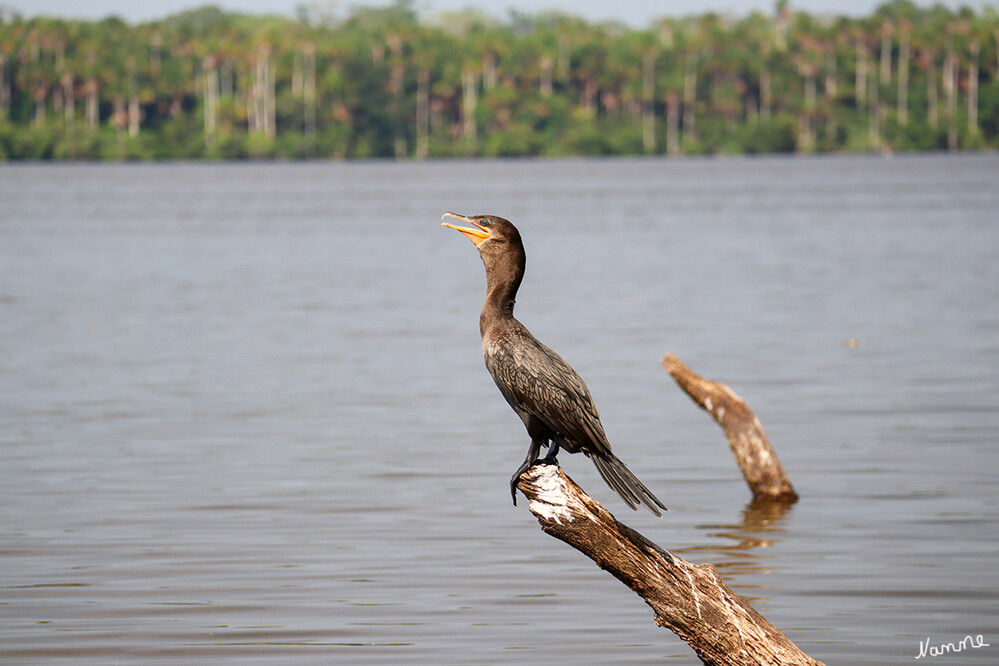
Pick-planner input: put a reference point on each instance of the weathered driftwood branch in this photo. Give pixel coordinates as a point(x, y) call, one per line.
point(689, 599)
point(750, 446)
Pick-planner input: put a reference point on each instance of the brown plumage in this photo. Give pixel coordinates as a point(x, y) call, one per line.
point(548, 395)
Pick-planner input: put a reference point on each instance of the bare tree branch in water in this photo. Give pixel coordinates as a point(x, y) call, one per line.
point(756, 458)
point(689, 599)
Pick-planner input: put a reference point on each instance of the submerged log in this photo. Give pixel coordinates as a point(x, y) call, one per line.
point(756, 458)
point(689, 599)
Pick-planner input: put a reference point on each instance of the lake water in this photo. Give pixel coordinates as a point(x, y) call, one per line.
point(244, 416)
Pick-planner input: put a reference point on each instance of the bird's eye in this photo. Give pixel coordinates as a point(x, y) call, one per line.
point(484, 223)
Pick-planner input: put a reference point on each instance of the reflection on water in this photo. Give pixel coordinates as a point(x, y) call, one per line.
point(243, 413)
point(735, 548)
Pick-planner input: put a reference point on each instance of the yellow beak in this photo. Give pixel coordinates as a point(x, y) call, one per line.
point(476, 235)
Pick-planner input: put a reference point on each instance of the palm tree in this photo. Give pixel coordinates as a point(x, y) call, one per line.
point(975, 51)
point(781, 23)
point(755, 40)
point(808, 59)
point(950, 88)
point(397, 76)
point(469, 101)
point(977, 35)
point(670, 78)
point(261, 116)
point(692, 49)
point(903, 71)
point(648, 99)
point(211, 78)
point(309, 93)
point(860, 76)
point(592, 56)
point(424, 59)
point(887, 31)
point(6, 49)
point(924, 38)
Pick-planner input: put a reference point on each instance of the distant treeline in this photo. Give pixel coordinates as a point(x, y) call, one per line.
point(382, 82)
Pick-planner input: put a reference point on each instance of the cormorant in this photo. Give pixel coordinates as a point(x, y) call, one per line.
point(547, 394)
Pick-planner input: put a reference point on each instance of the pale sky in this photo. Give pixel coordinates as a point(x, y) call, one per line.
point(636, 13)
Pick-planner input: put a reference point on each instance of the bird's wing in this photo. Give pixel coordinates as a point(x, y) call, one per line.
point(534, 378)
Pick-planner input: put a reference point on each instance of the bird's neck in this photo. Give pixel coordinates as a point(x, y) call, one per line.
point(501, 295)
point(504, 266)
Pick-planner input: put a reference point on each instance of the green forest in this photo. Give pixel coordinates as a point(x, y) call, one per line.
point(385, 82)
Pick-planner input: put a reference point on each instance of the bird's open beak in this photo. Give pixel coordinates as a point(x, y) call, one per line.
point(476, 235)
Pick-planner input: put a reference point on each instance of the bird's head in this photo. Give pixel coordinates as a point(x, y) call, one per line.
point(499, 245)
point(484, 228)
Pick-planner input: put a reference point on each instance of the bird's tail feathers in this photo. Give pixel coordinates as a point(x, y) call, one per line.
point(617, 475)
